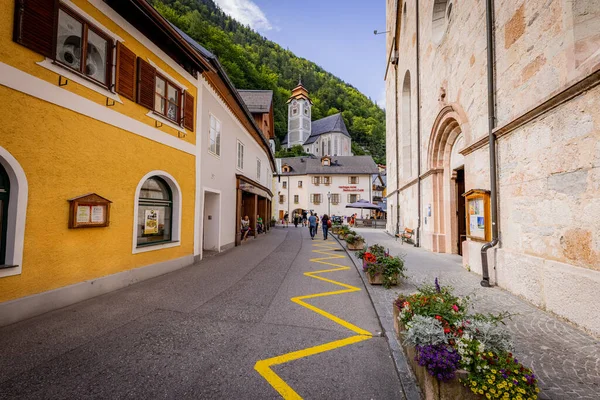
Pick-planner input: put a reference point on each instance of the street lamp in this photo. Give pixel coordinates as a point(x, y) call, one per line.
point(329, 204)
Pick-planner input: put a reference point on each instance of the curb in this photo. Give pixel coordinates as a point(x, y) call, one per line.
point(405, 374)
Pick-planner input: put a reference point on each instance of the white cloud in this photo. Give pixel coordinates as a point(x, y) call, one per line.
point(246, 12)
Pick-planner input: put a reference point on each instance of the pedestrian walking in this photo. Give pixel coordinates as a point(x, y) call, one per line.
point(312, 226)
point(245, 227)
point(304, 218)
point(326, 225)
point(286, 219)
point(317, 227)
point(296, 218)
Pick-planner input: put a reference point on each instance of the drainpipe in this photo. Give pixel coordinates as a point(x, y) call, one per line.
point(419, 206)
point(489, 14)
point(397, 141)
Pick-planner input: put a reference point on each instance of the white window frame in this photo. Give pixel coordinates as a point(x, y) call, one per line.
point(175, 216)
point(300, 184)
point(240, 146)
point(284, 184)
point(217, 135)
point(350, 197)
point(350, 180)
point(17, 212)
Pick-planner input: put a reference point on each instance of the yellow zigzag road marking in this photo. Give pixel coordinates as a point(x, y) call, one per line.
point(263, 367)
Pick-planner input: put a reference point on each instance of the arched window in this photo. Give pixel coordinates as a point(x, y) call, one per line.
point(155, 212)
point(441, 17)
point(406, 128)
point(4, 198)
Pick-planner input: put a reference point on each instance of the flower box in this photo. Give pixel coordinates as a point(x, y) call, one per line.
point(358, 245)
point(377, 279)
point(432, 388)
point(396, 314)
point(342, 236)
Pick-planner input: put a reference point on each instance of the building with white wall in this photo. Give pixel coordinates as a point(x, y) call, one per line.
point(323, 185)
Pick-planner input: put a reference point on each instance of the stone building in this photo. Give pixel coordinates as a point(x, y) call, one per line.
point(537, 107)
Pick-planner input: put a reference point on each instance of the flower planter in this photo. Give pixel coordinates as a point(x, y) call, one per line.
point(432, 388)
point(356, 245)
point(342, 236)
point(377, 279)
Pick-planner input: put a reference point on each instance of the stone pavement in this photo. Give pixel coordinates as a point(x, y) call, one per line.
point(565, 359)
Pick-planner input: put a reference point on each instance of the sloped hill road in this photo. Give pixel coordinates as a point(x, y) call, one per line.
point(280, 316)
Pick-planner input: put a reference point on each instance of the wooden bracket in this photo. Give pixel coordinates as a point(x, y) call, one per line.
point(158, 124)
point(108, 103)
point(61, 82)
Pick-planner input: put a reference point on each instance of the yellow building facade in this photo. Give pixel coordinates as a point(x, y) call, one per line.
point(78, 120)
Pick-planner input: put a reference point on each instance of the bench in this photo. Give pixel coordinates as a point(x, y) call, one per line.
point(405, 236)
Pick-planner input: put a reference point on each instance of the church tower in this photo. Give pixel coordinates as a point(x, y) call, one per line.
point(299, 114)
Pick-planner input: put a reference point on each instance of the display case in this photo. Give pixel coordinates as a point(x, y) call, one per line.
point(479, 224)
point(89, 211)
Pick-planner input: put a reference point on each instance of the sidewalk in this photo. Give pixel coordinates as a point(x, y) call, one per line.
point(565, 359)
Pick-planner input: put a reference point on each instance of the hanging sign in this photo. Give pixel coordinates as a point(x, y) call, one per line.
point(150, 222)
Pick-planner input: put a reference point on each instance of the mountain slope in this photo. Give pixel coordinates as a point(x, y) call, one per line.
point(253, 62)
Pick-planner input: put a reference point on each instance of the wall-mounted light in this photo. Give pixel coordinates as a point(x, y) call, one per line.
point(375, 32)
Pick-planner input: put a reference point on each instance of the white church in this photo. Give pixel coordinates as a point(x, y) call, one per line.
point(325, 137)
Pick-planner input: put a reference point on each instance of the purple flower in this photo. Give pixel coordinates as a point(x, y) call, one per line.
point(437, 286)
point(441, 361)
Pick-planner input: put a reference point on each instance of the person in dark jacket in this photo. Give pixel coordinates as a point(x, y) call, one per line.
point(325, 221)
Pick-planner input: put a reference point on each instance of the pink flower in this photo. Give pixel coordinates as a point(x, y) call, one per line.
point(455, 307)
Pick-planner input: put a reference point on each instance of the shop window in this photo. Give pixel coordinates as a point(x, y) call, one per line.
point(335, 198)
point(296, 199)
point(167, 99)
point(240, 155)
point(284, 184)
point(4, 197)
point(300, 184)
point(83, 48)
point(353, 180)
point(315, 198)
point(155, 212)
point(215, 136)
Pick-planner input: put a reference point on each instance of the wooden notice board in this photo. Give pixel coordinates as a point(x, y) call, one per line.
point(478, 214)
point(89, 211)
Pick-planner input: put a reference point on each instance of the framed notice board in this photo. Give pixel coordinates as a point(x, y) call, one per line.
point(89, 211)
point(479, 224)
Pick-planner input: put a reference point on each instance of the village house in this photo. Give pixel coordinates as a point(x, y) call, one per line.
point(118, 152)
point(519, 80)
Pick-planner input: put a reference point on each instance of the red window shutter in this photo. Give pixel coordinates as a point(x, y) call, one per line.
point(188, 111)
point(125, 72)
point(146, 84)
point(34, 25)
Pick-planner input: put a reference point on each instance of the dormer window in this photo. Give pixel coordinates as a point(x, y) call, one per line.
point(326, 161)
point(285, 168)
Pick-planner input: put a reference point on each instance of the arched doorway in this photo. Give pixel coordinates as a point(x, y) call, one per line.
point(448, 180)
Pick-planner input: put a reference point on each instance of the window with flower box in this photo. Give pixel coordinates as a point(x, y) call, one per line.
point(353, 180)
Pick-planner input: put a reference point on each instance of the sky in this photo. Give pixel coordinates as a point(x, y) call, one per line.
point(335, 34)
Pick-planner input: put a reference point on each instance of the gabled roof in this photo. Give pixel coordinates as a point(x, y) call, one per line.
point(333, 123)
point(257, 101)
point(359, 165)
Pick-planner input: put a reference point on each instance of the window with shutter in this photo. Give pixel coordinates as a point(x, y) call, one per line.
point(34, 25)
point(125, 72)
point(146, 86)
point(188, 111)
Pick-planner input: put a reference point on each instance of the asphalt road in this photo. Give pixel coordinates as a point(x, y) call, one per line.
point(225, 328)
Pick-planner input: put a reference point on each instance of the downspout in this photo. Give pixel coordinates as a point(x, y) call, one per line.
point(397, 143)
point(489, 22)
point(418, 240)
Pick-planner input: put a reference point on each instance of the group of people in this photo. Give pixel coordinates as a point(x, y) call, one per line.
point(260, 228)
point(311, 221)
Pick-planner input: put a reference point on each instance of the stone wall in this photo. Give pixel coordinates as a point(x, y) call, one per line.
point(548, 165)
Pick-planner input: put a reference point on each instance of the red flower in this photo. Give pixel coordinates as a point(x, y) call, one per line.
point(438, 317)
point(369, 257)
point(446, 330)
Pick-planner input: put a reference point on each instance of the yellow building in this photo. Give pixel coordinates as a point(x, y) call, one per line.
point(101, 98)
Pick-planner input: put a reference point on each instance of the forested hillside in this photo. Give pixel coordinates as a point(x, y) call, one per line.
point(253, 62)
